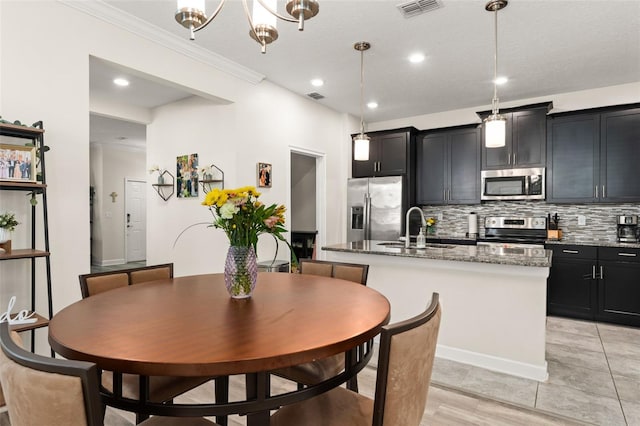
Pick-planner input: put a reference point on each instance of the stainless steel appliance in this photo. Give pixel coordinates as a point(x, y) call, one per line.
point(516, 235)
point(513, 184)
point(628, 231)
point(375, 208)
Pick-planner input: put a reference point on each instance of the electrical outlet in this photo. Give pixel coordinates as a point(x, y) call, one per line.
point(582, 220)
point(439, 216)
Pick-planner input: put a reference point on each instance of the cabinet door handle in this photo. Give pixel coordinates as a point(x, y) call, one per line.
point(571, 252)
point(444, 195)
point(603, 196)
point(448, 194)
point(596, 191)
point(627, 254)
point(514, 158)
point(601, 272)
point(593, 272)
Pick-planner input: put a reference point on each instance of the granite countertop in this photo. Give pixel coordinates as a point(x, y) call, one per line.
point(452, 252)
point(600, 243)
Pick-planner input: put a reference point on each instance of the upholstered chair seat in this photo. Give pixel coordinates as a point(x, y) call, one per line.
point(407, 352)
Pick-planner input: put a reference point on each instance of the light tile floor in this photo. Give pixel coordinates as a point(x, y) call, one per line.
point(594, 375)
point(96, 268)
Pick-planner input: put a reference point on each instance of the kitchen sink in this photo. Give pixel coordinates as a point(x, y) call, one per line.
point(393, 244)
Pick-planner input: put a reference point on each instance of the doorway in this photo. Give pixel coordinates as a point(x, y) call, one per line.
point(307, 202)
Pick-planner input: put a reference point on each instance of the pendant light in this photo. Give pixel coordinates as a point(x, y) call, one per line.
point(495, 124)
point(361, 141)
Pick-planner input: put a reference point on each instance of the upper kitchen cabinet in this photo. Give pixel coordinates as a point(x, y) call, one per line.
point(525, 139)
point(593, 156)
point(391, 153)
point(448, 166)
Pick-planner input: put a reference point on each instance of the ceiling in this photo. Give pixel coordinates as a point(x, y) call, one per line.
point(545, 47)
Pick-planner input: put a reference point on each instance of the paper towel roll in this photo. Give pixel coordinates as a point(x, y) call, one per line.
point(473, 225)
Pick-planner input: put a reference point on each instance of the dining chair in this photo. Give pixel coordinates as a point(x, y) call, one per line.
point(48, 391)
point(407, 352)
point(322, 369)
point(151, 273)
point(161, 388)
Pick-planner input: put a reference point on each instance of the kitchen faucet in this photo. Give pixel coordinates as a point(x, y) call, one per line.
point(424, 223)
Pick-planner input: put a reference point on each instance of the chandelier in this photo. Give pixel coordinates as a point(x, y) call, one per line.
point(191, 15)
point(495, 124)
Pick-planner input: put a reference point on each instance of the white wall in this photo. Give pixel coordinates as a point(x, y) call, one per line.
point(44, 75)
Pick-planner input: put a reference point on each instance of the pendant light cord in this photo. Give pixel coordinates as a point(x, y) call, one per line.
point(362, 92)
point(495, 63)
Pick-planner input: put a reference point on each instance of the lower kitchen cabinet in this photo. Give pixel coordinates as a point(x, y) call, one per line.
point(595, 283)
point(619, 286)
point(572, 283)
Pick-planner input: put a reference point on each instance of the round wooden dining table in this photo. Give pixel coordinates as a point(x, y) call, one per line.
point(189, 326)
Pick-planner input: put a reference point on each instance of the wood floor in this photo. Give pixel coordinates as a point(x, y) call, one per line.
point(444, 407)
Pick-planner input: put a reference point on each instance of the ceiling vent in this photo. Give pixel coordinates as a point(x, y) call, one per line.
point(315, 95)
point(418, 7)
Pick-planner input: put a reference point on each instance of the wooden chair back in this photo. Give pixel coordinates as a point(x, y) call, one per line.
point(405, 362)
point(92, 284)
point(346, 271)
point(41, 390)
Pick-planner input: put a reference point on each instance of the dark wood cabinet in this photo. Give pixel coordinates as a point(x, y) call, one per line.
point(572, 162)
point(572, 282)
point(620, 156)
point(390, 154)
point(525, 139)
point(595, 283)
point(448, 166)
point(619, 286)
point(593, 156)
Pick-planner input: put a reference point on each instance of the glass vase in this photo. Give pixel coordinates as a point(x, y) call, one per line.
point(240, 271)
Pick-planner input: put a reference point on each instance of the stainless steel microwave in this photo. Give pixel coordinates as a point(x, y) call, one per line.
point(513, 184)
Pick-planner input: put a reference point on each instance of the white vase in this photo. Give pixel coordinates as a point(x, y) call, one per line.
point(5, 235)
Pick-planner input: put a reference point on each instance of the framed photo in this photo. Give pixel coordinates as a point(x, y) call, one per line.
point(18, 163)
point(187, 176)
point(264, 175)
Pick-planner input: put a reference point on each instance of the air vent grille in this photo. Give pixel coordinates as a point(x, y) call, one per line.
point(315, 95)
point(414, 8)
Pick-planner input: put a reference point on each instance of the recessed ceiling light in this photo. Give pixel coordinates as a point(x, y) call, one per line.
point(372, 105)
point(317, 82)
point(416, 58)
point(501, 80)
point(120, 82)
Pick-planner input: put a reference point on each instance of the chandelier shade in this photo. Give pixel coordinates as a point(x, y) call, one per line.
point(191, 14)
point(495, 131)
point(361, 147)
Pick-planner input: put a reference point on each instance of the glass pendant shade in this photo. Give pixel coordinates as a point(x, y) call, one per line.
point(361, 147)
point(495, 131)
point(192, 4)
point(262, 16)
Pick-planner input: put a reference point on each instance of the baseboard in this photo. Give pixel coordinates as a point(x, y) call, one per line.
point(489, 362)
point(111, 262)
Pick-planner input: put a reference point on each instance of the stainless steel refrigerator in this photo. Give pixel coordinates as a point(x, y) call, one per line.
point(375, 208)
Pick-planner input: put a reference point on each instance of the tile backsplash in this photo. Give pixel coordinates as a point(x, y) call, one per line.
point(600, 219)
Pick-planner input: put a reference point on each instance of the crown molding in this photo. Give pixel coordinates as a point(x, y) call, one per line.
point(148, 31)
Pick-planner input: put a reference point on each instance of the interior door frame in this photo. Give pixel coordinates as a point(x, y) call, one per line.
point(321, 198)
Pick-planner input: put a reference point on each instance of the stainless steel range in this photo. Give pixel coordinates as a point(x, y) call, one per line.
point(515, 235)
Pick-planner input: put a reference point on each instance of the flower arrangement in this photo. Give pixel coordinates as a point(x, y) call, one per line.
point(242, 217)
point(156, 168)
point(8, 221)
point(431, 222)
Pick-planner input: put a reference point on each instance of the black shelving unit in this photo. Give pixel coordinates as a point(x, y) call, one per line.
point(35, 134)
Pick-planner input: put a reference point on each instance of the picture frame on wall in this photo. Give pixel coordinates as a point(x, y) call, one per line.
point(187, 176)
point(17, 163)
point(264, 175)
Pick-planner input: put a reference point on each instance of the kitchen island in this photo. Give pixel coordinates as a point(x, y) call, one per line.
point(493, 300)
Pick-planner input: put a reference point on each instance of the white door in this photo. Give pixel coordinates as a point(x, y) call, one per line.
point(135, 220)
